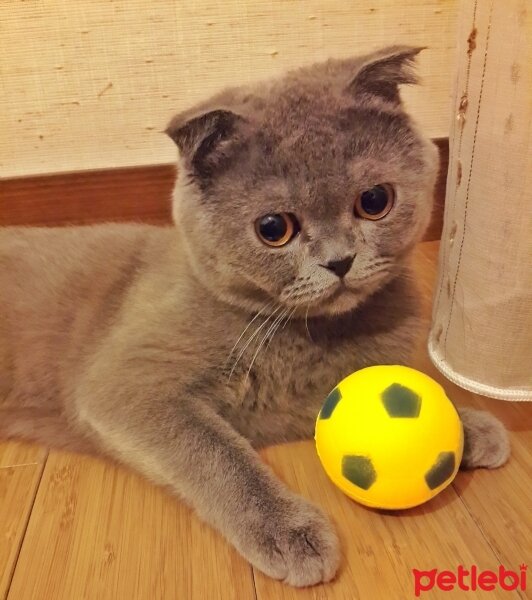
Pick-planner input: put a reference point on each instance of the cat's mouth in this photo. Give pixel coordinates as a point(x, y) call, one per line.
point(344, 296)
point(340, 291)
point(339, 296)
point(358, 287)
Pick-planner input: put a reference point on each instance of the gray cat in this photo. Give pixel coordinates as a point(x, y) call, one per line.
point(179, 350)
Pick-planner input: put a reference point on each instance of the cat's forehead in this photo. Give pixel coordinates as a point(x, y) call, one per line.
point(300, 138)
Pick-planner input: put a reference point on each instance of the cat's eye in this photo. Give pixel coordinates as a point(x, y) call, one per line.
point(375, 203)
point(276, 229)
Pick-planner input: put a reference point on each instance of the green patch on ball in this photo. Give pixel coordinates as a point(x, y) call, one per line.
point(359, 470)
point(442, 469)
point(401, 402)
point(330, 403)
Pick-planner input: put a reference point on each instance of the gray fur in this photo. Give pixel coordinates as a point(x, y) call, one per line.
point(178, 350)
point(486, 441)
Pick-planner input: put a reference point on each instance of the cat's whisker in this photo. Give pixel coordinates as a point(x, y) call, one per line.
point(306, 324)
point(260, 312)
point(270, 330)
point(251, 338)
point(290, 316)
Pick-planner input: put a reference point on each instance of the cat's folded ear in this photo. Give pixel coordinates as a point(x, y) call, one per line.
point(381, 73)
point(205, 139)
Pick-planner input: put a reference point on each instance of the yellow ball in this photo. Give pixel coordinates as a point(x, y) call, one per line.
point(389, 437)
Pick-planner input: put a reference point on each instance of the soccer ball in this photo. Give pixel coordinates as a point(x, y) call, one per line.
point(389, 437)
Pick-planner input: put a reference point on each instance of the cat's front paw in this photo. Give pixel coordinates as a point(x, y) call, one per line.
point(295, 543)
point(486, 442)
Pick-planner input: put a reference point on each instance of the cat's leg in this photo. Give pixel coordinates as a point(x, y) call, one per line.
point(179, 441)
point(486, 442)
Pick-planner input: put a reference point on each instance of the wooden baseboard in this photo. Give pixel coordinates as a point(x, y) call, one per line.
point(132, 194)
point(140, 194)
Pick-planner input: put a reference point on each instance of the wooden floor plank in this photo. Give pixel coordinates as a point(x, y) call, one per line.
point(20, 471)
point(99, 532)
point(500, 501)
point(380, 549)
point(14, 454)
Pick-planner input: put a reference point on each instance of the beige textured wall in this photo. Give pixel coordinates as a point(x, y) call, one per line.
point(88, 84)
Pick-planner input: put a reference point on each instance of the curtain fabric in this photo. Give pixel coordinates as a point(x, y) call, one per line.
point(481, 334)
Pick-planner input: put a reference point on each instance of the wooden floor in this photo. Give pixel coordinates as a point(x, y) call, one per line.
point(74, 528)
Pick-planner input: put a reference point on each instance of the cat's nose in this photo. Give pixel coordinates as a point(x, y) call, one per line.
point(340, 267)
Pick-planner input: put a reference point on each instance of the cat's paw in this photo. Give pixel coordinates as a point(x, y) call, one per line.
point(486, 442)
point(296, 544)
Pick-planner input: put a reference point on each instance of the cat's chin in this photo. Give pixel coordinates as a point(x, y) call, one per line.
point(342, 301)
point(337, 301)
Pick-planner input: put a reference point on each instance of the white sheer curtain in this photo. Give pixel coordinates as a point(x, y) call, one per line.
point(481, 336)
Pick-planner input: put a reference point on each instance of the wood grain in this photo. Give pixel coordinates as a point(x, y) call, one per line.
point(140, 194)
point(380, 549)
point(19, 454)
point(91, 84)
point(137, 194)
point(20, 472)
point(501, 507)
point(97, 531)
